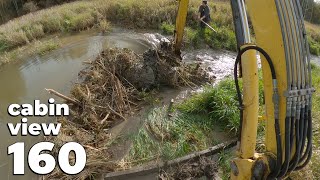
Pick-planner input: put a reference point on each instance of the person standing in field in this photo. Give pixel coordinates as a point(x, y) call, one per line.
point(204, 14)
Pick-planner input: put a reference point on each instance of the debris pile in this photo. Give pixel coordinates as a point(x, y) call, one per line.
point(204, 167)
point(109, 89)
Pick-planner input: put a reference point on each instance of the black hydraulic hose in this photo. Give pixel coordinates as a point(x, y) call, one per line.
point(308, 153)
point(275, 172)
point(304, 156)
point(238, 60)
point(295, 160)
point(292, 132)
point(303, 121)
point(277, 169)
point(288, 145)
point(238, 94)
point(304, 134)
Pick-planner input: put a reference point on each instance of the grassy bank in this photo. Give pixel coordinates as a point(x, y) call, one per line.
point(314, 38)
point(188, 128)
point(82, 15)
point(157, 14)
point(38, 47)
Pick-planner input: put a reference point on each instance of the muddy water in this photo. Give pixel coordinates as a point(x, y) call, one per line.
point(25, 80)
point(218, 64)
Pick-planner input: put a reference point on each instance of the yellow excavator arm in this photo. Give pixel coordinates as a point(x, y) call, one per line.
point(282, 44)
point(180, 24)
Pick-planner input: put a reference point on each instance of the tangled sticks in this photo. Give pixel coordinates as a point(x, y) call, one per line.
point(109, 89)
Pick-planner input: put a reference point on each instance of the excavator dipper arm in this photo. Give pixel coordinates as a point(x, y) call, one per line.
point(282, 43)
point(284, 51)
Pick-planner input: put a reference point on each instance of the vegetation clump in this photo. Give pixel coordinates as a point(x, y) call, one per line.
point(219, 102)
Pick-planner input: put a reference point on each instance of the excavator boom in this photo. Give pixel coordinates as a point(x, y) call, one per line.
point(281, 41)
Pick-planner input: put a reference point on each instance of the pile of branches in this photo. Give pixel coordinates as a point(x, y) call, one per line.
point(108, 92)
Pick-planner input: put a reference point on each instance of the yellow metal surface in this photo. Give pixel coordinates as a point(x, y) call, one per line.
point(180, 23)
point(267, 29)
point(251, 104)
point(244, 167)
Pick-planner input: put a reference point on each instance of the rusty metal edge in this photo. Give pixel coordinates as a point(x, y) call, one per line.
point(148, 169)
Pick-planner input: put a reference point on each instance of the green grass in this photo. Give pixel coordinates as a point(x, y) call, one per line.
point(313, 32)
point(316, 122)
point(219, 102)
point(35, 48)
point(167, 29)
point(224, 164)
point(168, 138)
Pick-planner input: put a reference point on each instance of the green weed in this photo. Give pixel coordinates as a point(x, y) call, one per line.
point(219, 102)
point(42, 48)
point(144, 148)
point(36, 47)
point(224, 38)
point(167, 29)
point(168, 138)
point(224, 164)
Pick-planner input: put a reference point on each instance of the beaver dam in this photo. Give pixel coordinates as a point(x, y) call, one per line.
point(112, 88)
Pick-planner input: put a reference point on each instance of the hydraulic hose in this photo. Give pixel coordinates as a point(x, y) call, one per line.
point(288, 145)
point(308, 154)
point(304, 132)
point(295, 159)
point(294, 150)
point(298, 122)
point(309, 145)
point(277, 168)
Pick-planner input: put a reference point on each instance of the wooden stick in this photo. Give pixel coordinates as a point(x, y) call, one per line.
point(115, 112)
point(208, 26)
point(137, 172)
point(105, 119)
point(74, 101)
